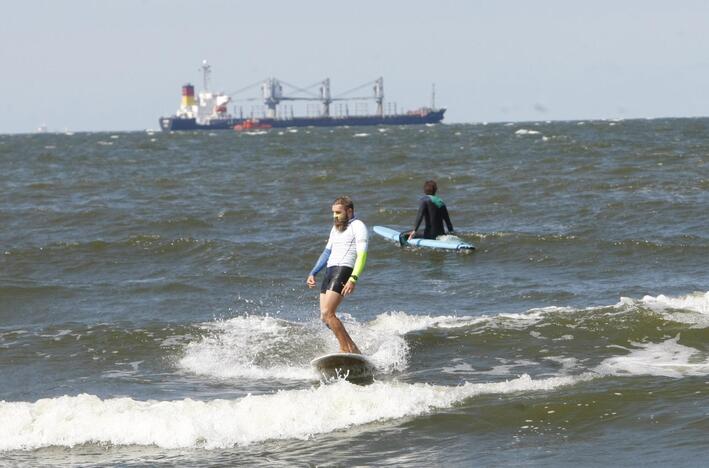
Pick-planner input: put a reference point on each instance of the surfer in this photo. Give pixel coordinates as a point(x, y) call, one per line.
point(345, 255)
point(433, 211)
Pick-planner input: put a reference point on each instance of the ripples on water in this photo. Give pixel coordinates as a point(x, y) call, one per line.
point(152, 299)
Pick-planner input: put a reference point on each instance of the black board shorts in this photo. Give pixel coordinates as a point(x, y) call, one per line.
point(335, 279)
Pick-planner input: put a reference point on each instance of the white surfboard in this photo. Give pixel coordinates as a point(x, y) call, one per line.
point(349, 366)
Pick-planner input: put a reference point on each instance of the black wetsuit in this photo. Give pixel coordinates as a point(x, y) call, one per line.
point(434, 214)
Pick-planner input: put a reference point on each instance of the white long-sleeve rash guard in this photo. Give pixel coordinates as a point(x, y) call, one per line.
point(345, 248)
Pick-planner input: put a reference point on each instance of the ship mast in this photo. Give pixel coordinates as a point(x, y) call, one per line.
point(206, 71)
point(433, 96)
point(325, 97)
point(272, 92)
point(379, 95)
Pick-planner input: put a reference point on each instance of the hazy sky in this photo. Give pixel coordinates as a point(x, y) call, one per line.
point(119, 65)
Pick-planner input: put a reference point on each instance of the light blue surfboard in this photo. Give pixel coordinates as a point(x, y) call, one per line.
point(448, 242)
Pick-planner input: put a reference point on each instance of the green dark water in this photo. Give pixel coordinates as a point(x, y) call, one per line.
point(153, 307)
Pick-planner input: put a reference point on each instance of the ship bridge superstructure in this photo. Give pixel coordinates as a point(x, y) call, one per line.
point(208, 105)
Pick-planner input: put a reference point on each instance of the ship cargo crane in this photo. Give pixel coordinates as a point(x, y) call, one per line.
point(272, 94)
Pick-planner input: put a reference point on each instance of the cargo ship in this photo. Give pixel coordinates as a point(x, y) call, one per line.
point(209, 110)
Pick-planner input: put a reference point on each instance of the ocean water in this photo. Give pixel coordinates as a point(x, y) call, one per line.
point(153, 309)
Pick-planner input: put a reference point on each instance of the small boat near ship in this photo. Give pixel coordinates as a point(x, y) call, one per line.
point(252, 124)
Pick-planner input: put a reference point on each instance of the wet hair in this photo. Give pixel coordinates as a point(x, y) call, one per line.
point(430, 187)
point(344, 201)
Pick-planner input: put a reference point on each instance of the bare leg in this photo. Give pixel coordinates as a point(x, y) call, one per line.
point(328, 306)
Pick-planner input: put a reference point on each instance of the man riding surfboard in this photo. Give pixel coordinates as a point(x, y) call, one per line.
point(344, 256)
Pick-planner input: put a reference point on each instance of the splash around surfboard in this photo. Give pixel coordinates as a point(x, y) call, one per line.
point(443, 242)
point(349, 366)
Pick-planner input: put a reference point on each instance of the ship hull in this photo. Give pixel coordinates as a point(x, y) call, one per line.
point(170, 124)
point(431, 117)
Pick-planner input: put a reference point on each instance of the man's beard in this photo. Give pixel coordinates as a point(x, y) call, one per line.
point(341, 225)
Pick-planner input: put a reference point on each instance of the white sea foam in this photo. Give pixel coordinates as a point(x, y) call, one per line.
point(697, 302)
point(530, 317)
point(402, 323)
point(257, 347)
point(449, 237)
point(524, 131)
point(360, 135)
point(81, 419)
point(568, 364)
point(252, 347)
point(691, 309)
point(386, 349)
point(58, 335)
point(666, 359)
point(506, 367)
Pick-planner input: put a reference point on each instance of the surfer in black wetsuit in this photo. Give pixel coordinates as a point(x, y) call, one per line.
point(433, 211)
